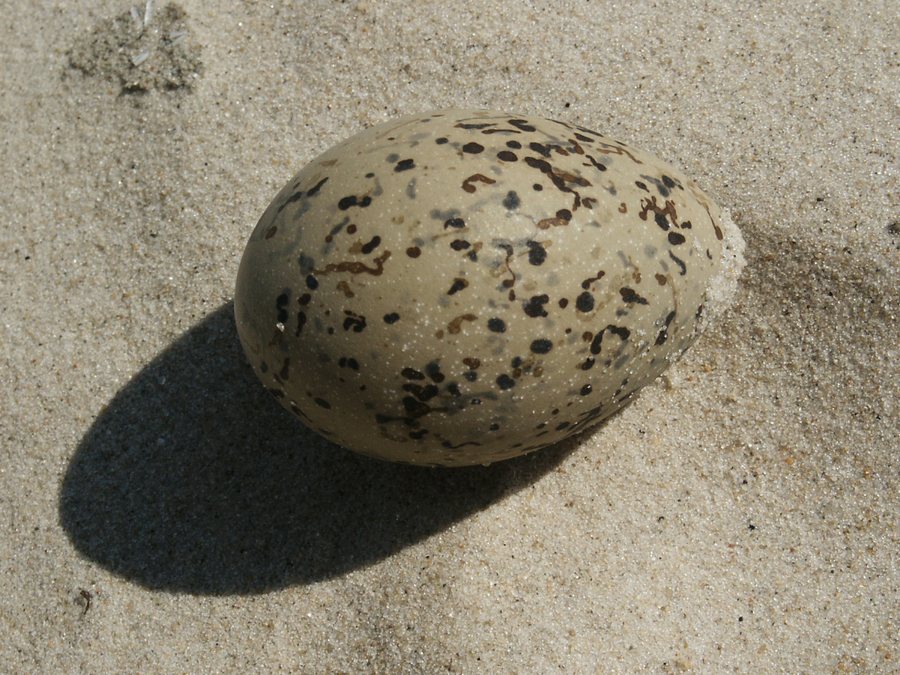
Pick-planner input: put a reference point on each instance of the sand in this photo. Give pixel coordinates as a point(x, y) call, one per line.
point(159, 513)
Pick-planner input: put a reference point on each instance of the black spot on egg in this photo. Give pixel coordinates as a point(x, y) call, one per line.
point(584, 302)
point(534, 306)
point(457, 285)
point(537, 254)
point(371, 245)
point(511, 201)
point(505, 382)
point(541, 346)
point(629, 295)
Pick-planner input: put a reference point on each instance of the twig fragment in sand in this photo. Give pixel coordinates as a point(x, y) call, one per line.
point(86, 595)
point(148, 13)
point(138, 59)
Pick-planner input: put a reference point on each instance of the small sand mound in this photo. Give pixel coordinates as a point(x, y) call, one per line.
point(141, 50)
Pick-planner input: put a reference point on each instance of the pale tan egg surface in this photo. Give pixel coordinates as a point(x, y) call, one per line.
point(461, 287)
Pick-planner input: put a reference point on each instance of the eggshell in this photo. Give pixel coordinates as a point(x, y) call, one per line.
point(465, 286)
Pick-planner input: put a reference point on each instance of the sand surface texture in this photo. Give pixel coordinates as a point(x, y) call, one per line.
point(160, 513)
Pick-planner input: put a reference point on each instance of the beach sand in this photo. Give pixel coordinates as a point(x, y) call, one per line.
point(160, 513)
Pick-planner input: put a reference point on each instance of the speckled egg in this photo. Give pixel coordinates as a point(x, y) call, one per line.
point(464, 286)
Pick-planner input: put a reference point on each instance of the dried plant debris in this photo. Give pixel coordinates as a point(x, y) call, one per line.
point(142, 49)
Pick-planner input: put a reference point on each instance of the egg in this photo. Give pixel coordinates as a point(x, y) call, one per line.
point(465, 286)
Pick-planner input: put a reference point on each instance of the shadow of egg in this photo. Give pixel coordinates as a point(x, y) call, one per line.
point(193, 479)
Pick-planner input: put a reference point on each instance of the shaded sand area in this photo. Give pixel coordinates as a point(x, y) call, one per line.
point(159, 513)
